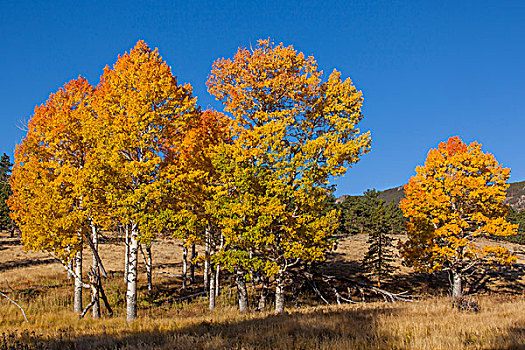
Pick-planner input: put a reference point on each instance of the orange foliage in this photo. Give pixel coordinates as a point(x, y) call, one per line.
point(456, 197)
point(48, 177)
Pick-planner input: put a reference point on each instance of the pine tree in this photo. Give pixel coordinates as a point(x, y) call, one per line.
point(354, 214)
point(5, 191)
point(380, 224)
point(517, 217)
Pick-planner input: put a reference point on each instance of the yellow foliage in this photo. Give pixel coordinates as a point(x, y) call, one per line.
point(142, 116)
point(456, 197)
point(290, 133)
point(47, 178)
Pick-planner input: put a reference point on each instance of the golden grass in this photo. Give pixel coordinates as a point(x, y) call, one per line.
point(46, 295)
point(428, 324)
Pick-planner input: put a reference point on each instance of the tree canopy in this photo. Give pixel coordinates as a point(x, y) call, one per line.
point(291, 132)
point(456, 197)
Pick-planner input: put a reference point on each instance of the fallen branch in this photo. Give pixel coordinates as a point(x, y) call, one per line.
point(179, 299)
point(8, 286)
point(87, 308)
point(11, 300)
point(388, 296)
point(97, 290)
point(94, 250)
point(167, 273)
point(317, 291)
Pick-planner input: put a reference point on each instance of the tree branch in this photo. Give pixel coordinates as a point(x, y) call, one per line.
point(11, 300)
point(84, 285)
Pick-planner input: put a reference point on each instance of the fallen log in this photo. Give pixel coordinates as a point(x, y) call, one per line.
point(180, 299)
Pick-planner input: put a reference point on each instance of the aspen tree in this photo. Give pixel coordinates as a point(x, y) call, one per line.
point(48, 177)
point(142, 113)
point(291, 132)
point(454, 199)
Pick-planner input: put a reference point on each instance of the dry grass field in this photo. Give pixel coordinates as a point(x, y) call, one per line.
point(40, 285)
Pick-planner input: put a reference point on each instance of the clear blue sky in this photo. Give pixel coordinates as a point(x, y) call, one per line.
point(428, 69)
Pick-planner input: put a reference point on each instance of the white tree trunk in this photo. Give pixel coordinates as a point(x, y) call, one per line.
point(241, 291)
point(184, 266)
point(279, 294)
point(192, 264)
point(264, 293)
point(211, 294)
point(131, 293)
point(149, 267)
point(207, 239)
point(218, 270)
point(126, 256)
point(78, 282)
point(217, 275)
point(96, 270)
point(457, 288)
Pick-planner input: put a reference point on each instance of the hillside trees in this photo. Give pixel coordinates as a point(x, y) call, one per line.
point(291, 132)
point(142, 114)
point(455, 198)
point(353, 216)
point(517, 217)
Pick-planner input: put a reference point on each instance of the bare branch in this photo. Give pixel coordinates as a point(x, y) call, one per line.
point(87, 308)
point(95, 253)
point(11, 300)
point(84, 285)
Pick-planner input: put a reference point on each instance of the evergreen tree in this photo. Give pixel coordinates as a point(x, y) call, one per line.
point(5, 192)
point(353, 216)
point(517, 217)
point(380, 224)
point(356, 211)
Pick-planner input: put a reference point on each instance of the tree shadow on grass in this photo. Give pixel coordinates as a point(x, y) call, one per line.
point(334, 328)
point(484, 278)
point(414, 283)
point(499, 279)
point(515, 336)
point(10, 242)
point(9, 265)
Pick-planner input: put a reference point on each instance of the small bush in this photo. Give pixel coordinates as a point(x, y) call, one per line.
point(466, 304)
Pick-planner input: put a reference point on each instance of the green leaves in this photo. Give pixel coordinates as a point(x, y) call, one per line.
point(290, 133)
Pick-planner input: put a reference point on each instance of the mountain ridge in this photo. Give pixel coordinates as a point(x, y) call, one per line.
point(515, 195)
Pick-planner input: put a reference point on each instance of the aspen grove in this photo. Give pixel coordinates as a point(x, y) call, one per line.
point(247, 190)
point(137, 153)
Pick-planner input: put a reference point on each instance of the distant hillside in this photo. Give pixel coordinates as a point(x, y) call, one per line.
point(392, 195)
point(515, 195)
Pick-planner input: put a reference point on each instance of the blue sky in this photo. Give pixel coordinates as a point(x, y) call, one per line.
point(428, 69)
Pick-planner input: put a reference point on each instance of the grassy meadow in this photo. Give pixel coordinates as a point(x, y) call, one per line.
point(40, 286)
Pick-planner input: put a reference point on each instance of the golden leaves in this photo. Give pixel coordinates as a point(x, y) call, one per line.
point(456, 197)
point(290, 132)
point(48, 172)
